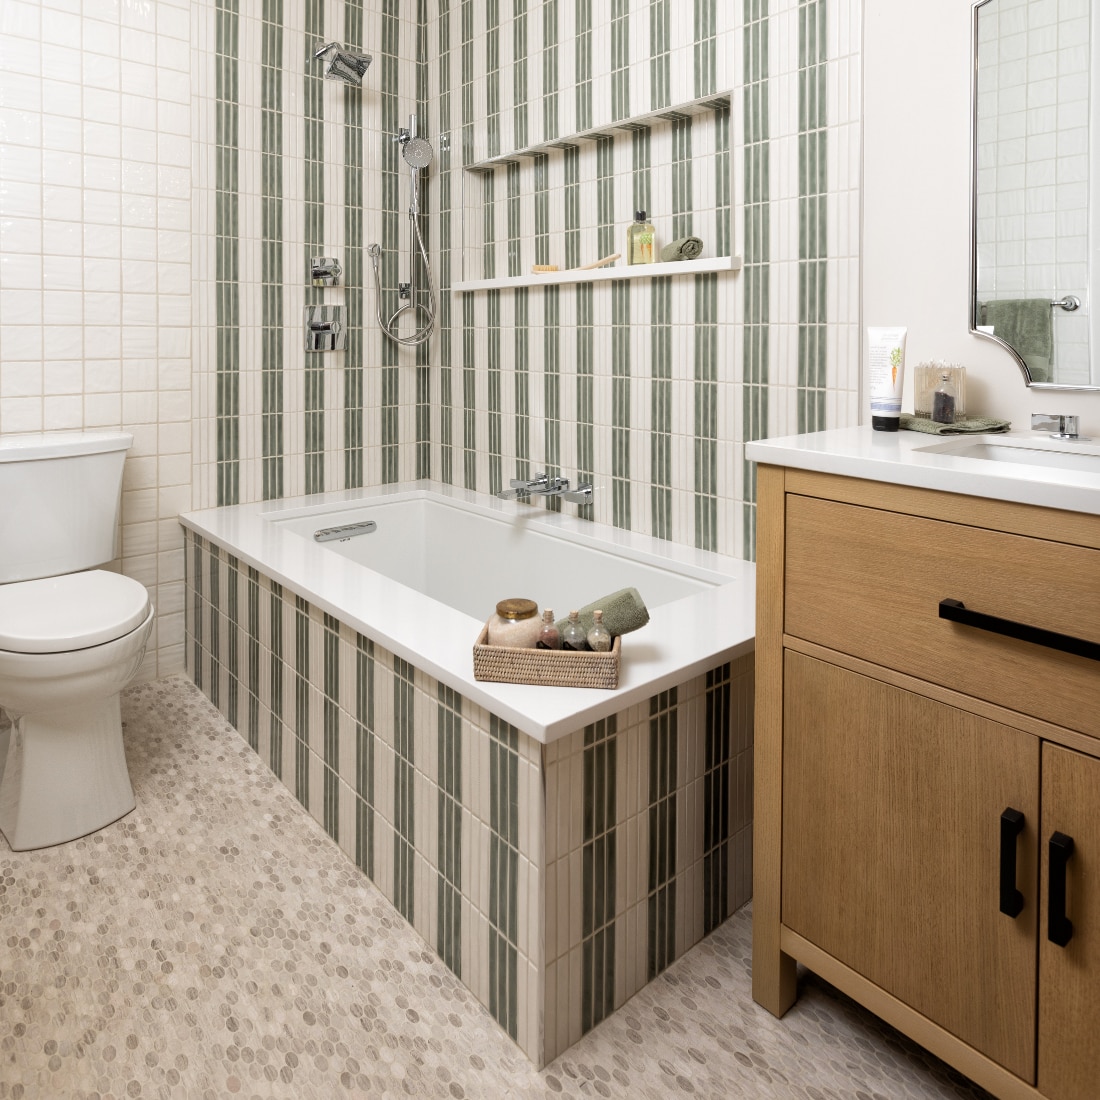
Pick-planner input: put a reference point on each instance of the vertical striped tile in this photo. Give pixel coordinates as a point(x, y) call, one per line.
point(660, 45)
point(503, 873)
point(716, 799)
point(354, 261)
point(641, 143)
point(492, 76)
point(723, 239)
point(449, 842)
point(549, 69)
point(586, 365)
point(514, 221)
point(493, 370)
point(663, 780)
point(706, 412)
point(214, 625)
point(660, 415)
point(447, 224)
point(232, 656)
point(682, 181)
point(278, 643)
point(313, 196)
point(253, 728)
point(394, 179)
point(404, 781)
point(620, 59)
point(705, 48)
point(583, 65)
point(542, 209)
point(621, 340)
point(521, 362)
point(364, 755)
point(572, 199)
point(551, 378)
point(301, 701)
point(599, 856)
point(469, 392)
point(227, 249)
point(331, 720)
point(520, 71)
point(605, 195)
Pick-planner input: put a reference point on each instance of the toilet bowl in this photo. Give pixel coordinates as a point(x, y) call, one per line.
point(68, 646)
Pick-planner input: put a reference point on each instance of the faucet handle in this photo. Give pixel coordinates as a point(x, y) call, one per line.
point(1064, 425)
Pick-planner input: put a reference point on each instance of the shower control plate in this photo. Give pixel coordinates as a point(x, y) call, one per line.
point(325, 328)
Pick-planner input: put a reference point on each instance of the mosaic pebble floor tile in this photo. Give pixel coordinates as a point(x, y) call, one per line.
point(215, 943)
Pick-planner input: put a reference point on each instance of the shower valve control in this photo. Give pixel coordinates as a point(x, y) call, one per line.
point(325, 271)
point(404, 290)
point(325, 328)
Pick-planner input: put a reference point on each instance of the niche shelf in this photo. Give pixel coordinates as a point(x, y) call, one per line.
point(602, 274)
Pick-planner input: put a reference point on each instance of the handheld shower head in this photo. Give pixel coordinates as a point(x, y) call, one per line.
point(417, 153)
point(344, 63)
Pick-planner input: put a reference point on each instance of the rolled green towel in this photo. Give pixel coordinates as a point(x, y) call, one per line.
point(982, 424)
point(686, 248)
point(623, 611)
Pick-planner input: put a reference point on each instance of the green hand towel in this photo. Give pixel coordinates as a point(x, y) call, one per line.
point(685, 248)
point(1026, 325)
point(972, 424)
point(623, 611)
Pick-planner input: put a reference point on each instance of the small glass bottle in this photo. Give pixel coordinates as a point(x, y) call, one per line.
point(599, 637)
point(572, 634)
point(549, 637)
point(943, 401)
point(516, 624)
point(639, 240)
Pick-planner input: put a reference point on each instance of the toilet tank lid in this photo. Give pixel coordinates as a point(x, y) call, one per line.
point(31, 445)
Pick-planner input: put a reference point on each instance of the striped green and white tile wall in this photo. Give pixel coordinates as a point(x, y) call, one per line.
point(555, 881)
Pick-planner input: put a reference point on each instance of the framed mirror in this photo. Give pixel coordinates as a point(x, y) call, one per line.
point(1035, 200)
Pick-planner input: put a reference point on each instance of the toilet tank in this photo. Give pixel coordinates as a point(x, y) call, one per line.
point(59, 501)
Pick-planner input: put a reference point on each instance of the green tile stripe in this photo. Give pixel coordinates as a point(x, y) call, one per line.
point(521, 363)
point(424, 350)
point(755, 270)
point(253, 731)
point(469, 392)
point(682, 184)
point(275, 748)
point(493, 371)
point(599, 853)
point(660, 416)
point(520, 126)
point(227, 251)
point(571, 158)
point(354, 261)
point(661, 902)
point(705, 47)
point(331, 727)
point(214, 627)
point(716, 798)
point(641, 147)
point(448, 935)
point(812, 216)
point(503, 873)
point(550, 78)
point(313, 201)
point(488, 226)
point(395, 205)
point(723, 240)
point(271, 256)
point(621, 338)
point(492, 76)
point(660, 47)
point(470, 153)
point(586, 380)
point(583, 65)
point(514, 230)
point(301, 700)
point(404, 780)
point(446, 225)
point(551, 379)
point(620, 59)
point(606, 228)
point(364, 754)
point(232, 656)
point(542, 209)
point(196, 616)
point(706, 411)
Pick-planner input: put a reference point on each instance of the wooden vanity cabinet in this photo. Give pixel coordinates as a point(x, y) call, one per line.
point(916, 776)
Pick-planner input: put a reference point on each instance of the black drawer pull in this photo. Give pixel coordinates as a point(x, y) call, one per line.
point(957, 612)
point(1059, 926)
point(1012, 825)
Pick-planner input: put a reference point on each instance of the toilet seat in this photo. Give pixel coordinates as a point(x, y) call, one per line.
point(73, 611)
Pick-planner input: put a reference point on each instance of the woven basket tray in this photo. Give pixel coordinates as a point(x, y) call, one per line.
point(550, 667)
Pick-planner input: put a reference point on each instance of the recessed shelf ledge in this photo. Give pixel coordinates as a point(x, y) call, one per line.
point(717, 102)
point(603, 274)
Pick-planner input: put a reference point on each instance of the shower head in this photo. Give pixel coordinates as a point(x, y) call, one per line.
point(344, 63)
point(417, 153)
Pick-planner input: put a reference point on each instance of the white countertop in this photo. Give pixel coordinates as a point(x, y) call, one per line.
point(918, 459)
point(683, 639)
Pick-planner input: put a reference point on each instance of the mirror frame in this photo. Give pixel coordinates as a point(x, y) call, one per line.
point(1028, 380)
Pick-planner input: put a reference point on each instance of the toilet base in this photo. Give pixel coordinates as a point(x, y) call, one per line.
point(64, 775)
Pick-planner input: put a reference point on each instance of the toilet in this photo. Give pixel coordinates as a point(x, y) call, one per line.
point(72, 636)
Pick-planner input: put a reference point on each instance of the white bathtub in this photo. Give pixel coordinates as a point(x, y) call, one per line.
point(427, 577)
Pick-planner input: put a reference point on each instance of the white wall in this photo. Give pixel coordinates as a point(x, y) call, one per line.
point(916, 209)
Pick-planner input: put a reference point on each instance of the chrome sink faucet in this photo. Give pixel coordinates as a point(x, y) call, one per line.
point(1065, 427)
point(545, 486)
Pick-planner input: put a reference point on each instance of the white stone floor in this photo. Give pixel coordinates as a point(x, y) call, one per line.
point(214, 943)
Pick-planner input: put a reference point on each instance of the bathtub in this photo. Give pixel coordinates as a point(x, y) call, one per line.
point(424, 581)
point(556, 847)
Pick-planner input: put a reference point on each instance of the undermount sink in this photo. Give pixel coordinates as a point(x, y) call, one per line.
point(1047, 453)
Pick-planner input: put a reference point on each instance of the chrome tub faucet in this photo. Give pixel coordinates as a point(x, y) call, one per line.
point(545, 486)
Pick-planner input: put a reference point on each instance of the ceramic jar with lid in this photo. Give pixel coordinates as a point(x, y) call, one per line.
point(515, 624)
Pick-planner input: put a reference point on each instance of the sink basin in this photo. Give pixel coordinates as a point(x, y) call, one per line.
point(1050, 454)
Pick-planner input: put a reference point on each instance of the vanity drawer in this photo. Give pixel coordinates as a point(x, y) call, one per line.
point(869, 583)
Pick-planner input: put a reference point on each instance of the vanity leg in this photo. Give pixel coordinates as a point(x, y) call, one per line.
point(773, 972)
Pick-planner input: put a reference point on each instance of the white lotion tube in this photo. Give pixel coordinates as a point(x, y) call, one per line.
point(887, 376)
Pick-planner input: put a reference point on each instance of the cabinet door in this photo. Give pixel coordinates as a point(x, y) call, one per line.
point(892, 809)
point(1069, 975)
